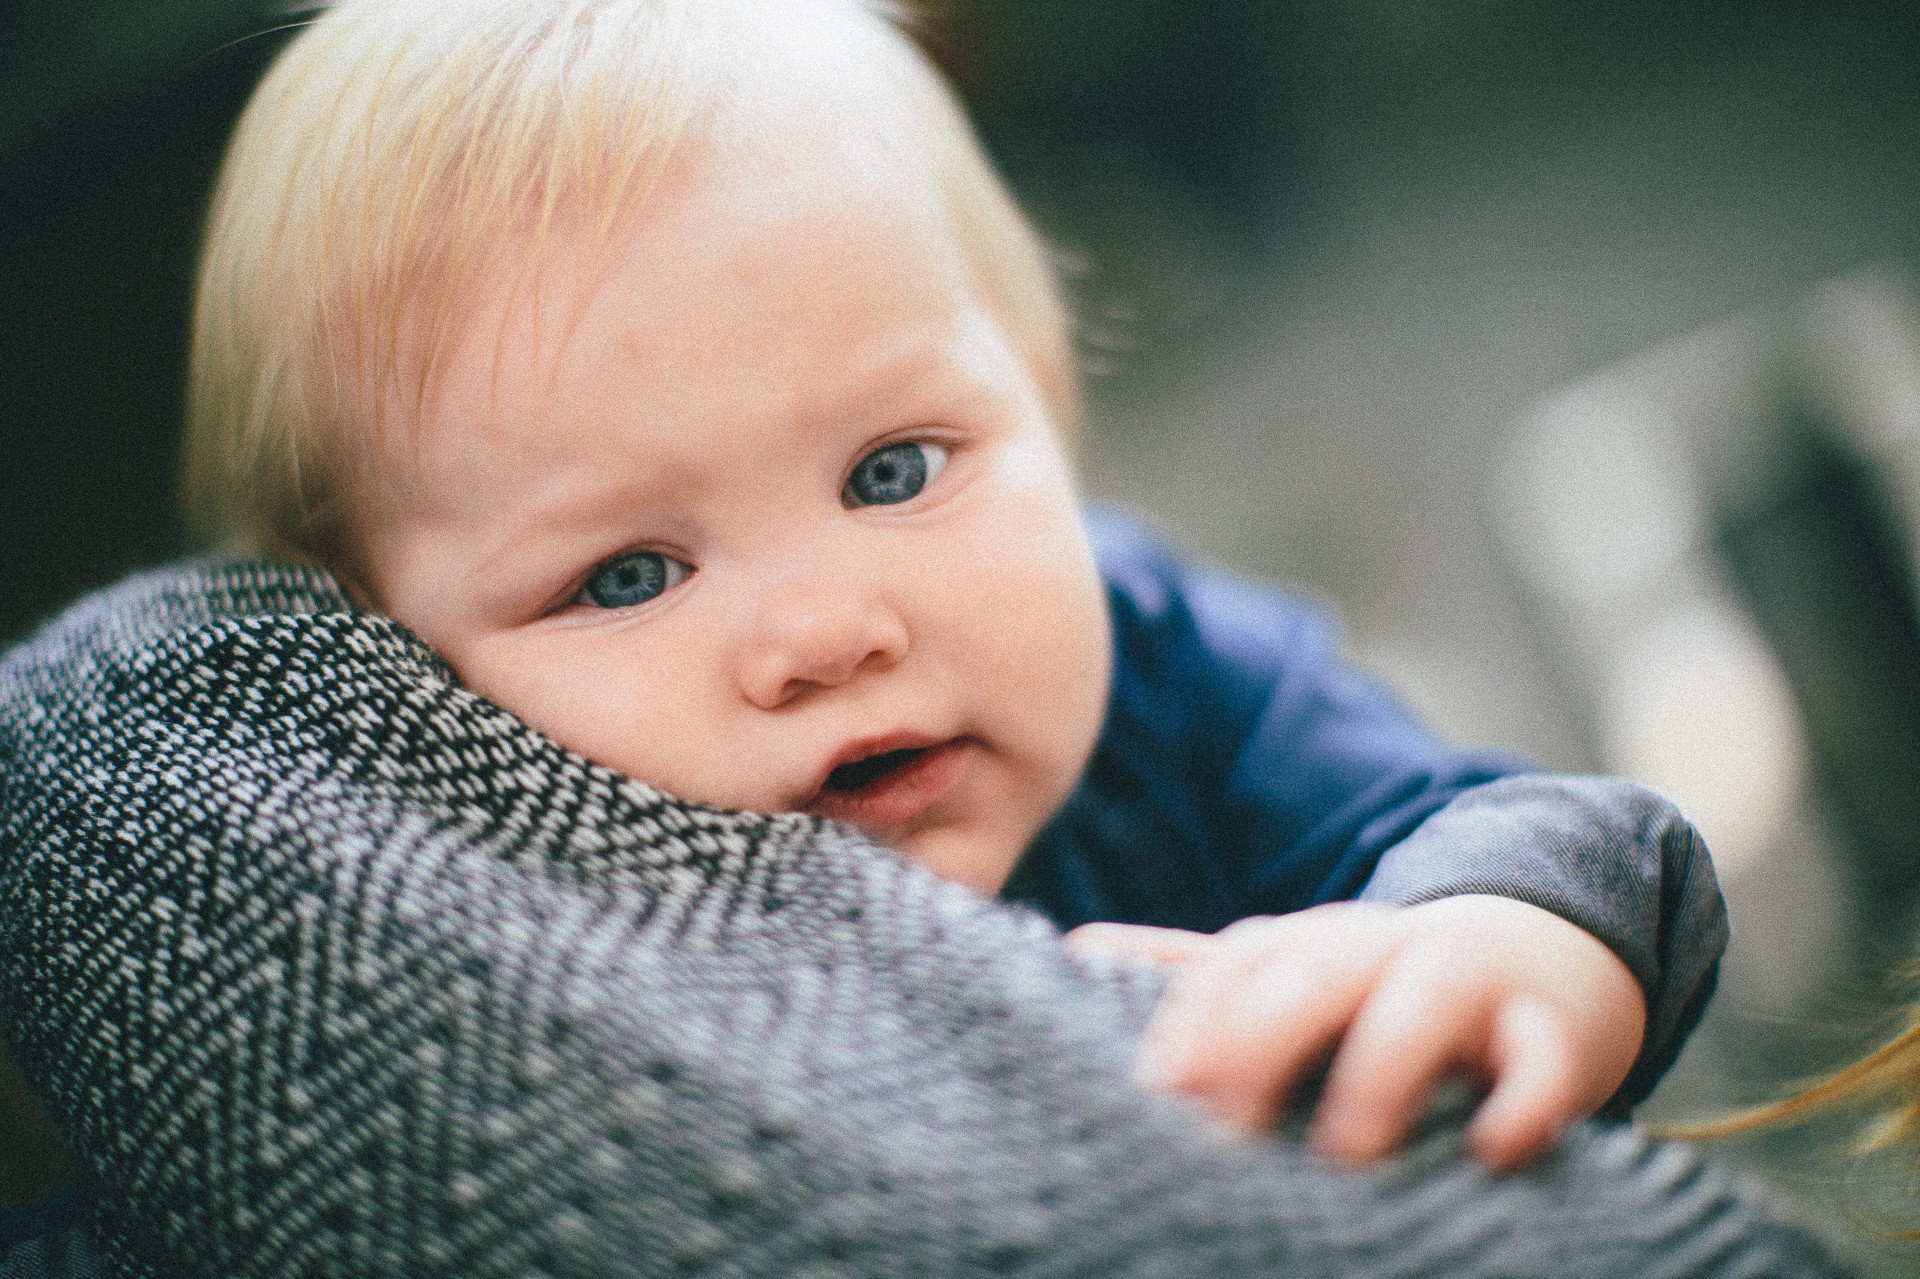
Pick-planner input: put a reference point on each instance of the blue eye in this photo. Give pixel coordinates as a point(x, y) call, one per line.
point(633, 578)
point(894, 474)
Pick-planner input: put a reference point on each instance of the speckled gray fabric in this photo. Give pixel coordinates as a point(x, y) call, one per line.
point(327, 967)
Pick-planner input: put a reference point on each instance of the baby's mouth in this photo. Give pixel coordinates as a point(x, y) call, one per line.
point(888, 789)
point(864, 772)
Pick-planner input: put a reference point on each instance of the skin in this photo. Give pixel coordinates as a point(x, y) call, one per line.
point(705, 392)
point(1402, 997)
point(772, 320)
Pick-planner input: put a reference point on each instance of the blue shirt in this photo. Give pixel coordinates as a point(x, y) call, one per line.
point(1241, 770)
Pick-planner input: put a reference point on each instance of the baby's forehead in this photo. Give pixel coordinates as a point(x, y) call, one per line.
point(371, 185)
point(819, 234)
point(734, 204)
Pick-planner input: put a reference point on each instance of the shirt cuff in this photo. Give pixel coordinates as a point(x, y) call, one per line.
point(1609, 856)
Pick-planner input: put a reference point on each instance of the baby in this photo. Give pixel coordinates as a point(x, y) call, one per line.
point(680, 371)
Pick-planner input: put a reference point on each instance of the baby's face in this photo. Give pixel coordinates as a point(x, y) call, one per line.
point(778, 521)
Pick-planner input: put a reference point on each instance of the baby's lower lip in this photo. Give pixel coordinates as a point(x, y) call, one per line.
point(900, 794)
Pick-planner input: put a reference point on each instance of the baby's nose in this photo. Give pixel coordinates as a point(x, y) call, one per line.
point(807, 636)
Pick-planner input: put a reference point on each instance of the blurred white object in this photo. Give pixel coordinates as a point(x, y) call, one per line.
point(1696, 707)
point(1607, 506)
point(1863, 333)
point(1602, 507)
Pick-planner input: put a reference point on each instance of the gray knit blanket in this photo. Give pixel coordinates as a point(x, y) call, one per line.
point(326, 966)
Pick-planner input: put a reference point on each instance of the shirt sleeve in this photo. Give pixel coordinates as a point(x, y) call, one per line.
point(1610, 856)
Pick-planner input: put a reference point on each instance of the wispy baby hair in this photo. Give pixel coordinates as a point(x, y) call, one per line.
point(1886, 1081)
point(400, 153)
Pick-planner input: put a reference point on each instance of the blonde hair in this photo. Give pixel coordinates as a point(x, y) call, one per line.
point(1887, 1080)
point(399, 151)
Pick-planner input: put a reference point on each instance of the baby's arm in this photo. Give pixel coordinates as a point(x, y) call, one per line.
point(1246, 771)
point(1486, 972)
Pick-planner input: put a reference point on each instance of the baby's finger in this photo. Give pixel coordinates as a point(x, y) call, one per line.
point(1168, 947)
point(1243, 1061)
point(1536, 1093)
point(1417, 1025)
point(1239, 1029)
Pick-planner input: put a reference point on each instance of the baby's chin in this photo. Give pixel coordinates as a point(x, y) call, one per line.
point(971, 859)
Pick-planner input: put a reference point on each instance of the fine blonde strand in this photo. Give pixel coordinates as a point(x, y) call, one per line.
point(1889, 1074)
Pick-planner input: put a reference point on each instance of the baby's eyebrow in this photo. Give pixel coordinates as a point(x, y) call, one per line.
point(876, 385)
point(561, 538)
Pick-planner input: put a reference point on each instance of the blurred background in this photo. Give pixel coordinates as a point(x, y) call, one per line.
point(1569, 351)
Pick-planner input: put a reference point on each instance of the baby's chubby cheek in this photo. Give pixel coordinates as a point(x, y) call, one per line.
point(1052, 662)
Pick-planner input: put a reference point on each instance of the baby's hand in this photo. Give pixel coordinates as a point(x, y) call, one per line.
point(1537, 1008)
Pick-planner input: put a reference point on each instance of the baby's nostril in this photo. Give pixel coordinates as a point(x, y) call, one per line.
point(863, 772)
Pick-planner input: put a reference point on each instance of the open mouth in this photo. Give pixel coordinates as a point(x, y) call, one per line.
point(890, 788)
point(864, 772)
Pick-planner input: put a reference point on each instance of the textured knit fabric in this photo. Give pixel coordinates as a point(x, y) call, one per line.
point(1243, 769)
point(324, 966)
